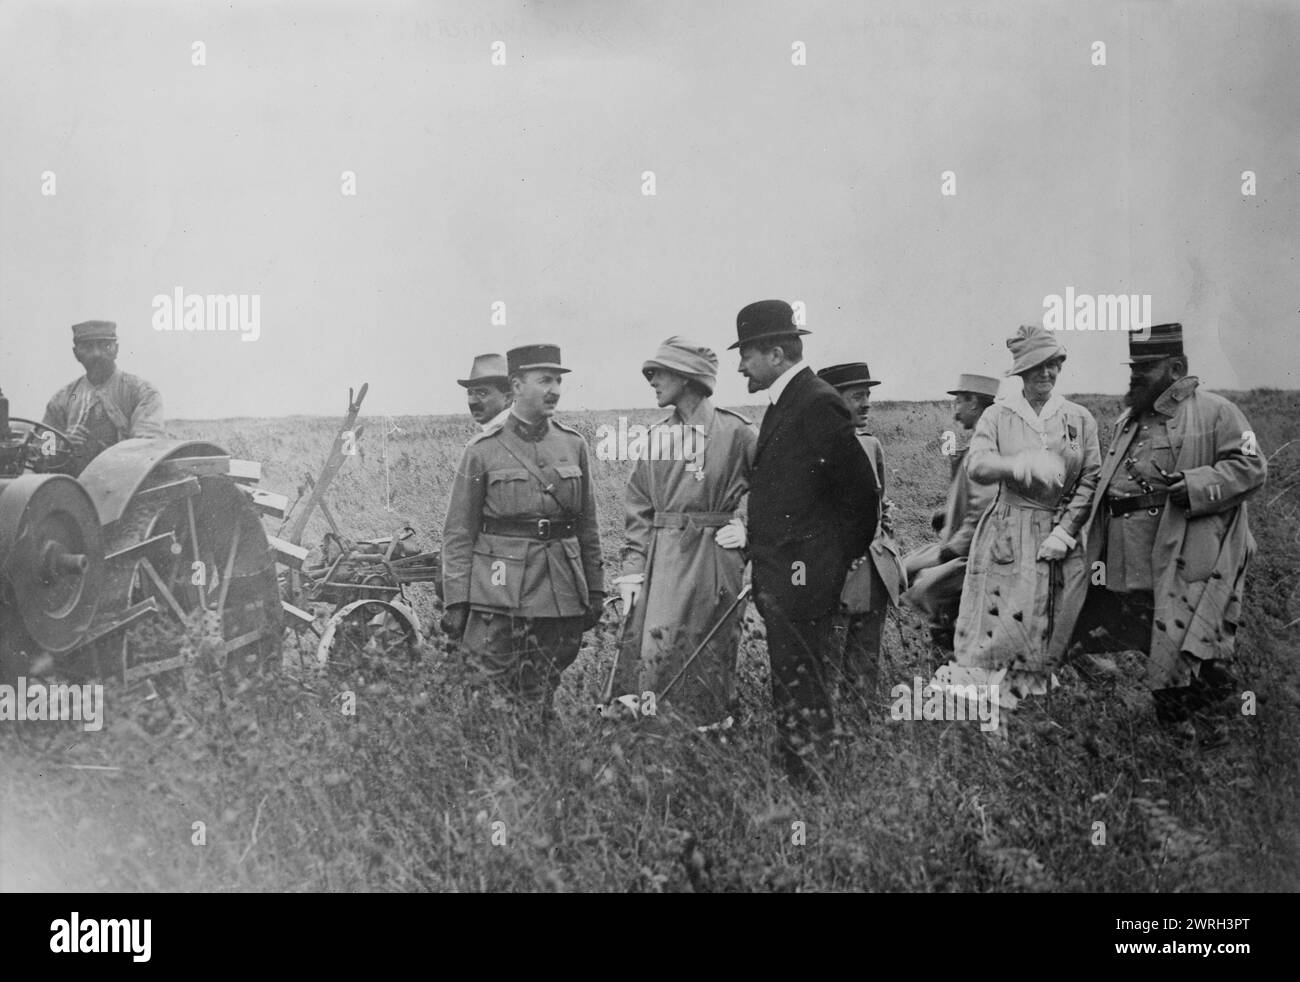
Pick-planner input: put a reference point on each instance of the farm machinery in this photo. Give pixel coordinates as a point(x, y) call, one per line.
point(99, 572)
point(103, 574)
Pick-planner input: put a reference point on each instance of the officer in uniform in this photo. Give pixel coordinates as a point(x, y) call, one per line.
point(521, 548)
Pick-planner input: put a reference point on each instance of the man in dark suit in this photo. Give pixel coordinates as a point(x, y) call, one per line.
point(812, 510)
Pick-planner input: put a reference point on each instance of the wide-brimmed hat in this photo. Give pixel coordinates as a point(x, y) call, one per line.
point(528, 356)
point(486, 368)
point(1031, 346)
point(765, 319)
point(848, 375)
point(685, 357)
point(1161, 341)
point(94, 331)
point(980, 385)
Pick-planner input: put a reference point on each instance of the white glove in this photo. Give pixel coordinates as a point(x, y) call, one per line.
point(629, 589)
point(732, 535)
point(1019, 464)
point(1056, 545)
point(1046, 468)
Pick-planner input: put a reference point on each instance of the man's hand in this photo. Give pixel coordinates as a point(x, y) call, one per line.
point(887, 517)
point(1178, 491)
point(732, 535)
point(454, 620)
point(595, 607)
point(78, 436)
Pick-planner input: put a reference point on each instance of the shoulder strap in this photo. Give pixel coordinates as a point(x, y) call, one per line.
point(513, 446)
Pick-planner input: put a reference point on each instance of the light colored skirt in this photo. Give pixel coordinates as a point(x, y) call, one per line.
point(1017, 612)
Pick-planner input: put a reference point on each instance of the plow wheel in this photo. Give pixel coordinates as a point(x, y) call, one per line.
point(365, 636)
point(190, 548)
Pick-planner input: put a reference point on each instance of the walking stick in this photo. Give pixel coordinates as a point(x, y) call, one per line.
point(607, 693)
point(744, 592)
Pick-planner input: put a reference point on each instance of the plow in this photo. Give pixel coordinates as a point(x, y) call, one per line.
point(103, 572)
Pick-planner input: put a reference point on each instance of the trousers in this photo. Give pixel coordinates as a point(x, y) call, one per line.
point(800, 652)
point(523, 655)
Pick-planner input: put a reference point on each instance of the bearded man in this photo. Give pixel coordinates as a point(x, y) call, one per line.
point(1169, 527)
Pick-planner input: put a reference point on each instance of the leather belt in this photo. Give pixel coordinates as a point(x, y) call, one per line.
point(1152, 502)
point(691, 519)
point(542, 529)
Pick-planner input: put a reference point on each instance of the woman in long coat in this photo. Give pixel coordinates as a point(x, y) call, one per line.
point(1026, 568)
point(683, 563)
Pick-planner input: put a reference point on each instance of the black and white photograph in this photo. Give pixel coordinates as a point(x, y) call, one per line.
point(561, 446)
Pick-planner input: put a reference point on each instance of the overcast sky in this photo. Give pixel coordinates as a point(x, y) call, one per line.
point(522, 183)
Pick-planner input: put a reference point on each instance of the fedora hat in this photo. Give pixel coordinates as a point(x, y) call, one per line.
point(980, 385)
point(486, 368)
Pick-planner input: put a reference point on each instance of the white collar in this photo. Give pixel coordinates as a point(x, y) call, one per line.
point(1011, 393)
point(498, 420)
point(777, 387)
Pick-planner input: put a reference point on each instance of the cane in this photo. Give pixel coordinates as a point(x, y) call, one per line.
point(744, 592)
point(1051, 624)
point(607, 693)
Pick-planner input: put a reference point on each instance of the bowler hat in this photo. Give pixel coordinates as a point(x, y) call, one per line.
point(765, 319)
point(94, 331)
point(486, 368)
point(848, 375)
point(980, 385)
point(534, 356)
point(1161, 341)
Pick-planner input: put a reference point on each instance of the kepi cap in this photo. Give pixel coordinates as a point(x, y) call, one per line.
point(534, 356)
point(1161, 341)
point(848, 375)
point(94, 331)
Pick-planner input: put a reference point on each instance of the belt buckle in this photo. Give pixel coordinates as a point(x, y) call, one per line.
point(544, 528)
point(1153, 511)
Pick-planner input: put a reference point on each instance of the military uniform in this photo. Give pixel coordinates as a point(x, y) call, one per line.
point(523, 553)
point(1174, 574)
point(121, 407)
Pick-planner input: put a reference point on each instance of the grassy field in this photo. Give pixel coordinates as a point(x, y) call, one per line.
point(426, 789)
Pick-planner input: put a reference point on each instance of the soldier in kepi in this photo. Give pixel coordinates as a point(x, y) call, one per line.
point(488, 393)
point(875, 580)
point(521, 557)
point(104, 406)
point(1168, 538)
